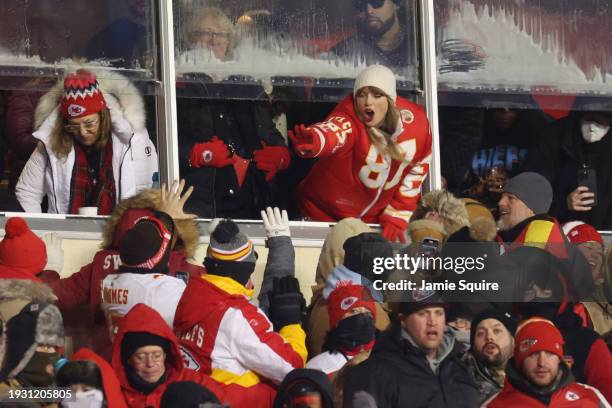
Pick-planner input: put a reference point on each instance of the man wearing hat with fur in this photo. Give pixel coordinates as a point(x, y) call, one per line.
point(492, 342)
point(34, 338)
point(223, 334)
point(380, 37)
point(524, 220)
point(374, 151)
point(416, 362)
point(537, 376)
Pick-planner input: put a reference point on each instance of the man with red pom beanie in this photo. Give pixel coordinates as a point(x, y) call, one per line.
point(537, 376)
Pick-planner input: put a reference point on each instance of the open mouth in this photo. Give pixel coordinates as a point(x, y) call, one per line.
point(490, 348)
point(431, 334)
point(368, 114)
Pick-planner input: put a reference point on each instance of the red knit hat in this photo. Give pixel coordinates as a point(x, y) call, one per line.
point(537, 334)
point(21, 251)
point(578, 233)
point(82, 96)
point(128, 220)
point(345, 298)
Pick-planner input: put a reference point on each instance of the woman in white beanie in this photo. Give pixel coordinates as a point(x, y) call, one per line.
point(374, 151)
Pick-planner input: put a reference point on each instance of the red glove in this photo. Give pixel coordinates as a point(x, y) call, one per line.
point(305, 142)
point(271, 159)
point(393, 228)
point(211, 154)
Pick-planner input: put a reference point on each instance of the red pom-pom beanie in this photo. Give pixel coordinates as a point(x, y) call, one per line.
point(21, 248)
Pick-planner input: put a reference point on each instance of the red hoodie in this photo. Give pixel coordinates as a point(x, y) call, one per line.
point(112, 388)
point(144, 319)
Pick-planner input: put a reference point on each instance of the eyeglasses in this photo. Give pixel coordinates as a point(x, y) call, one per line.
point(362, 5)
point(156, 357)
point(90, 127)
point(209, 35)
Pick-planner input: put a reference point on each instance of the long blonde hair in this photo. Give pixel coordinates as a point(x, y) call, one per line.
point(62, 141)
point(380, 135)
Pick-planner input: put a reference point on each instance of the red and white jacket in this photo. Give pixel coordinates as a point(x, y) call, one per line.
point(224, 335)
point(353, 179)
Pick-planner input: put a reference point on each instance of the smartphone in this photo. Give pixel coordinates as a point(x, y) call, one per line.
point(587, 177)
point(429, 247)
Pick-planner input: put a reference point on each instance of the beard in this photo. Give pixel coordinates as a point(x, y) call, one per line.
point(491, 361)
point(377, 32)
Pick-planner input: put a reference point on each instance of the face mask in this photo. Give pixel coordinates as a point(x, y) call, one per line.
point(35, 371)
point(592, 131)
point(352, 332)
point(85, 399)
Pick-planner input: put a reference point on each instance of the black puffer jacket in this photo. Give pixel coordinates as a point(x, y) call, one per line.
point(398, 375)
point(241, 124)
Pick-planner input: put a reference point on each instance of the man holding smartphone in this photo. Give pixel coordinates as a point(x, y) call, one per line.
point(573, 154)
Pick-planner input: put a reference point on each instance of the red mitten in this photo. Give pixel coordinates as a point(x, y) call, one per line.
point(271, 159)
point(211, 154)
point(393, 228)
point(305, 142)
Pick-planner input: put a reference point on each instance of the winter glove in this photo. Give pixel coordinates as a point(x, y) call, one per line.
point(275, 222)
point(393, 228)
point(55, 253)
point(271, 159)
point(286, 302)
point(305, 142)
point(211, 154)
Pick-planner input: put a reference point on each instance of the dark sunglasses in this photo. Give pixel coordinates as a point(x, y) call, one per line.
point(362, 5)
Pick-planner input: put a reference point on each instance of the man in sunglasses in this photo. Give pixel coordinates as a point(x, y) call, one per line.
point(380, 38)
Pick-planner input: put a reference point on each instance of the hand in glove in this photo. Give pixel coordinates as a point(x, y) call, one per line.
point(275, 222)
point(286, 302)
point(55, 253)
point(271, 159)
point(211, 154)
point(393, 228)
point(305, 141)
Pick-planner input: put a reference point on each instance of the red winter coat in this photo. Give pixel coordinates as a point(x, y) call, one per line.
point(352, 179)
point(110, 382)
point(83, 288)
point(568, 394)
point(144, 319)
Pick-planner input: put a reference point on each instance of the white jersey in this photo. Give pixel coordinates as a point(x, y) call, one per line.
point(122, 291)
point(328, 362)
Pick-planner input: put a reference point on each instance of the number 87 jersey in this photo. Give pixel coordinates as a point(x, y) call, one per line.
point(354, 178)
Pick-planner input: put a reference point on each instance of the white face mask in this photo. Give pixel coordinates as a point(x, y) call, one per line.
point(85, 399)
point(592, 131)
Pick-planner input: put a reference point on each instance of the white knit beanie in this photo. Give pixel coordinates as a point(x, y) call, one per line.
point(378, 76)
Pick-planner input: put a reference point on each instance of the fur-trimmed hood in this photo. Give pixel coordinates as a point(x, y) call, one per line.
point(118, 91)
point(187, 231)
point(451, 209)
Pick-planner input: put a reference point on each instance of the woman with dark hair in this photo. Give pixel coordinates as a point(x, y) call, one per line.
point(93, 149)
point(374, 151)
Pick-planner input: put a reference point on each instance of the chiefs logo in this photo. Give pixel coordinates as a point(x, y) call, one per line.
point(347, 302)
point(572, 396)
point(207, 155)
point(420, 295)
point(527, 344)
point(407, 116)
point(75, 110)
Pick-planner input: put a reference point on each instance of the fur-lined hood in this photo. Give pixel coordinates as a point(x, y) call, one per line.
point(187, 231)
point(447, 205)
point(118, 91)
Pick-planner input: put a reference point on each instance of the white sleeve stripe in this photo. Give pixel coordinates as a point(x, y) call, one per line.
point(238, 349)
point(321, 139)
point(602, 399)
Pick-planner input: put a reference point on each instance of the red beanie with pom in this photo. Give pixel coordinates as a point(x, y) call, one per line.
point(346, 298)
point(82, 95)
point(21, 248)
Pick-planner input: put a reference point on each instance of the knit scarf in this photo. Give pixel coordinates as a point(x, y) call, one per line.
point(89, 190)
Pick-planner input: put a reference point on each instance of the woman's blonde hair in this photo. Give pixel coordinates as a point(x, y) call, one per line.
point(195, 18)
point(62, 141)
point(380, 135)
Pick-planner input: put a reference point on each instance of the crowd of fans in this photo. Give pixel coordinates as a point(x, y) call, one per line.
point(140, 326)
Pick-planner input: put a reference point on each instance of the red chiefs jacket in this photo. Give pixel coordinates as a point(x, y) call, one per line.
point(221, 333)
point(144, 319)
point(353, 179)
point(518, 393)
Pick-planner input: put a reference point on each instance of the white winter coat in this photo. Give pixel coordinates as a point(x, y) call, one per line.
point(134, 159)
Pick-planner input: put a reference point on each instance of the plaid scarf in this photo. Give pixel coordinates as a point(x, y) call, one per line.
point(87, 190)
